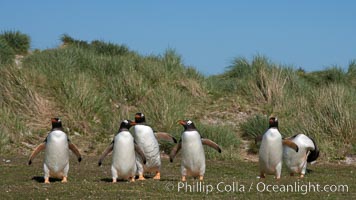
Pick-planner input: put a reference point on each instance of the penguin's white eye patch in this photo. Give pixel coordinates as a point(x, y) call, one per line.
point(126, 122)
point(189, 122)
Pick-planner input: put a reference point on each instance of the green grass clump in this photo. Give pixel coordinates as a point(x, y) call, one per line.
point(328, 76)
point(225, 137)
point(254, 126)
point(351, 73)
point(111, 49)
point(100, 47)
point(68, 40)
point(19, 42)
point(260, 80)
point(7, 54)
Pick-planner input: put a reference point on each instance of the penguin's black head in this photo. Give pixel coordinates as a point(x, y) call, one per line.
point(140, 118)
point(187, 124)
point(56, 123)
point(273, 122)
point(126, 125)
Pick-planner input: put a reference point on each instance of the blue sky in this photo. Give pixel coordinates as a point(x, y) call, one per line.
point(207, 34)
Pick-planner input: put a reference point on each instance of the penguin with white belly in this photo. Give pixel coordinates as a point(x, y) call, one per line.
point(271, 150)
point(146, 139)
point(193, 156)
point(56, 146)
point(297, 161)
point(124, 153)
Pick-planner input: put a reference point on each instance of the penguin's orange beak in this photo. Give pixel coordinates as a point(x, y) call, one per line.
point(133, 123)
point(182, 122)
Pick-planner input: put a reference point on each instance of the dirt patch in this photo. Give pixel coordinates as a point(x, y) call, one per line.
point(350, 160)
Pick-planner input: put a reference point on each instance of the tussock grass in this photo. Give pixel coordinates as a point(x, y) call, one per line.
point(260, 80)
point(331, 119)
point(23, 109)
point(19, 42)
point(318, 104)
point(94, 85)
point(225, 137)
point(7, 54)
point(98, 46)
point(254, 126)
point(328, 76)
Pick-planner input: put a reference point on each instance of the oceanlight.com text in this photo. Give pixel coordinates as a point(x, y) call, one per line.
point(236, 187)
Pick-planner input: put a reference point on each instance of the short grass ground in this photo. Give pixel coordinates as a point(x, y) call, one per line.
point(223, 180)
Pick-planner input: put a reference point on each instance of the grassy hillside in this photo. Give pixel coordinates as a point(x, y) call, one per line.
point(93, 85)
point(319, 104)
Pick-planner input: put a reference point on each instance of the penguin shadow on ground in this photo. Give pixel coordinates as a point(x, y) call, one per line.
point(109, 180)
point(40, 179)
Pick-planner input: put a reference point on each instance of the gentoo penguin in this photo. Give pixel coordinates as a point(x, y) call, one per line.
point(56, 146)
point(193, 156)
point(271, 150)
point(146, 139)
point(123, 157)
point(297, 161)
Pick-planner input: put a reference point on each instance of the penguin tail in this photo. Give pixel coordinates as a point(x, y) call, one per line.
point(314, 154)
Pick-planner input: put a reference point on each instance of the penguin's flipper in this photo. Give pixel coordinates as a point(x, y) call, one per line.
point(211, 144)
point(38, 149)
point(165, 136)
point(175, 150)
point(75, 150)
point(290, 144)
point(106, 152)
point(139, 151)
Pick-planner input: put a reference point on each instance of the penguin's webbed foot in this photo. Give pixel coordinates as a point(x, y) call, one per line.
point(64, 180)
point(141, 177)
point(46, 180)
point(157, 176)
